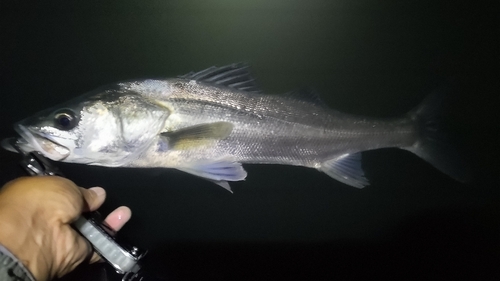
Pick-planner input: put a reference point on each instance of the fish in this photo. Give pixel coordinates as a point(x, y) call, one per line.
point(211, 122)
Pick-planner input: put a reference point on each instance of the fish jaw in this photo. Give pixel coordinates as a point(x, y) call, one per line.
point(17, 145)
point(30, 140)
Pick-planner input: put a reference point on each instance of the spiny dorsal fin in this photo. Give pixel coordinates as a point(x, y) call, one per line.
point(236, 76)
point(197, 135)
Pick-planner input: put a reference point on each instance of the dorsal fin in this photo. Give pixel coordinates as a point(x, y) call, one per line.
point(236, 76)
point(306, 94)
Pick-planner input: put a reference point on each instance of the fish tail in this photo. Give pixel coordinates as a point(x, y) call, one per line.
point(433, 144)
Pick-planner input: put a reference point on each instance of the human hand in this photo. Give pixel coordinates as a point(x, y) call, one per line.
point(35, 218)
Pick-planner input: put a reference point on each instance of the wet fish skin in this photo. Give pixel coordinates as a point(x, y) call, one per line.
point(268, 128)
point(208, 123)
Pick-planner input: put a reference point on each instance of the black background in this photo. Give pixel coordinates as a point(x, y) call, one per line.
point(375, 58)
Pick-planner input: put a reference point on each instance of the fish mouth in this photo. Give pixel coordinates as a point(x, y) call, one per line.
point(34, 141)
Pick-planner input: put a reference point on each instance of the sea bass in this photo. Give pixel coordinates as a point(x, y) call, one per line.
point(209, 123)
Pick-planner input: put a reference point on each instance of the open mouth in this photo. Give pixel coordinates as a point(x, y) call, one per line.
point(33, 141)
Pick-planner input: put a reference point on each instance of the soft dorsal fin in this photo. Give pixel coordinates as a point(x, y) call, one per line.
point(236, 76)
point(306, 94)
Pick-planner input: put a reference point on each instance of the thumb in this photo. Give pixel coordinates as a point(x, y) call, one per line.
point(94, 197)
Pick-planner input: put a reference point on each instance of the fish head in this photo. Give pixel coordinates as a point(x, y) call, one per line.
point(53, 138)
point(107, 128)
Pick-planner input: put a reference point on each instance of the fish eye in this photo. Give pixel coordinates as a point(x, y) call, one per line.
point(65, 119)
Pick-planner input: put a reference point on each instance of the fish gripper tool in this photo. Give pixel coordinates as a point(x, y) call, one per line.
point(124, 258)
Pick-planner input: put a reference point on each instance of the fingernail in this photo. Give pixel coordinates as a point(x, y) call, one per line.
point(98, 190)
point(120, 216)
point(124, 213)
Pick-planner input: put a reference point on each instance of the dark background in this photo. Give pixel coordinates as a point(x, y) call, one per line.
point(375, 58)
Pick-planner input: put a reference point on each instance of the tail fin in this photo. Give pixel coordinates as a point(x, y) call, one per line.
point(433, 145)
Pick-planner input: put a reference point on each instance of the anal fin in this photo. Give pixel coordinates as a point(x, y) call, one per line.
point(346, 169)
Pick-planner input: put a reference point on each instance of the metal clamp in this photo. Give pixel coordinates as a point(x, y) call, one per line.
point(124, 259)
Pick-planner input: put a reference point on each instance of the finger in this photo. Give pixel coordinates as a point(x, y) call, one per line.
point(117, 219)
point(83, 246)
point(96, 258)
point(94, 197)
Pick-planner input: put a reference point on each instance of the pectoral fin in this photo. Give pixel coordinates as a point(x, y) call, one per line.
point(346, 169)
point(197, 135)
point(219, 171)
